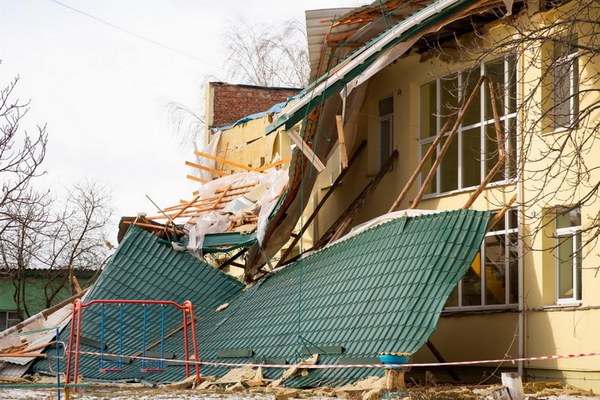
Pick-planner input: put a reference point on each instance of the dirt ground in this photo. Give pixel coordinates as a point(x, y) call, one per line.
point(139, 392)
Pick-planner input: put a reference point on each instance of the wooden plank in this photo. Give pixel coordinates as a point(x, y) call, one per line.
point(203, 168)
point(446, 146)
point(275, 164)
point(501, 152)
point(306, 150)
point(342, 140)
point(348, 216)
point(199, 153)
point(196, 179)
point(314, 214)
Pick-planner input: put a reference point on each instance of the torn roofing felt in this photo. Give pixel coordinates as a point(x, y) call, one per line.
point(379, 291)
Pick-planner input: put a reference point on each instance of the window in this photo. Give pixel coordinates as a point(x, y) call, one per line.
point(492, 280)
point(474, 151)
point(386, 129)
point(8, 319)
point(568, 255)
point(565, 78)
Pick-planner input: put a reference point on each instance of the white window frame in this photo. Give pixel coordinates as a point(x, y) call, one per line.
point(571, 60)
point(8, 319)
point(563, 234)
point(505, 115)
point(508, 278)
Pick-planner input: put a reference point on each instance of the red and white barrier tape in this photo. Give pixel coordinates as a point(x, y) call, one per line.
point(501, 360)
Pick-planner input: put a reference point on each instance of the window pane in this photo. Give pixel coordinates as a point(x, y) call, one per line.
point(471, 157)
point(471, 284)
point(512, 84)
point(3, 321)
point(513, 266)
point(386, 106)
point(492, 153)
point(562, 90)
point(428, 110)
point(449, 168)
point(385, 140)
point(431, 188)
point(472, 115)
point(494, 70)
point(565, 268)
point(449, 97)
point(453, 298)
point(495, 292)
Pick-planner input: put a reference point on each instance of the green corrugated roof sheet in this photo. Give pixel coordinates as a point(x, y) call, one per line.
point(382, 290)
point(227, 241)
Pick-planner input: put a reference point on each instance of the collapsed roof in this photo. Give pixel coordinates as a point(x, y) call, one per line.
point(381, 290)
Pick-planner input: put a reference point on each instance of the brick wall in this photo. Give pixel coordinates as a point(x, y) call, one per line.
point(232, 102)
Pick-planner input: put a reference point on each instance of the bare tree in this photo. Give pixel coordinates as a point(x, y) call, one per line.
point(266, 56)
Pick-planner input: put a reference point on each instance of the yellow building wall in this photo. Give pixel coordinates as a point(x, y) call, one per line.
point(547, 331)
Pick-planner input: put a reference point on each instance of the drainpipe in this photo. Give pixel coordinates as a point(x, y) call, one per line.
point(521, 214)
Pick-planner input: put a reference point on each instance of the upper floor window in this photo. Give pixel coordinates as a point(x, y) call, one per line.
point(474, 151)
point(568, 255)
point(565, 82)
point(8, 319)
point(492, 279)
point(386, 129)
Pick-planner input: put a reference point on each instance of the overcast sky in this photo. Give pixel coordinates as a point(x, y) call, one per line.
point(99, 73)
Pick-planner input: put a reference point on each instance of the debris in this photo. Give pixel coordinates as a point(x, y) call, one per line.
point(222, 307)
point(296, 370)
point(187, 383)
point(237, 375)
point(238, 387)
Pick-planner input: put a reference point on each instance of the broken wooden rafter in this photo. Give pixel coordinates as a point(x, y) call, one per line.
point(228, 162)
point(203, 168)
point(446, 146)
point(275, 164)
point(501, 152)
point(342, 140)
point(195, 178)
point(362, 198)
point(314, 214)
point(305, 149)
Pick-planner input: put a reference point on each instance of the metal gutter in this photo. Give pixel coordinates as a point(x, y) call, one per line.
point(368, 52)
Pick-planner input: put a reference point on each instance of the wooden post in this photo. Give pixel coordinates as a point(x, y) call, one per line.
point(512, 381)
point(342, 140)
point(394, 380)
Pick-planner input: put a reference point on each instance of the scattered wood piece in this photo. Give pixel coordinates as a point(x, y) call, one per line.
point(228, 162)
point(194, 178)
point(342, 140)
point(203, 168)
point(275, 164)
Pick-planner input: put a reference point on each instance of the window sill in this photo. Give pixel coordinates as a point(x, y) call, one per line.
point(469, 189)
point(555, 131)
point(449, 311)
point(569, 304)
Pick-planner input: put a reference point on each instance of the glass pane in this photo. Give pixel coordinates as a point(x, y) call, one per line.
point(431, 188)
point(449, 169)
point(494, 70)
point(471, 284)
point(428, 110)
point(385, 140)
point(386, 106)
point(3, 321)
point(449, 97)
point(472, 115)
point(565, 268)
point(471, 157)
point(513, 267)
point(512, 84)
point(495, 273)
point(567, 219)
point(453, 298)
point(562, 89)
point(492, 152)
point(511, 139)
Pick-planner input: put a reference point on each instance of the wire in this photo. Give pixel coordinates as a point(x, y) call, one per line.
point(134, 34)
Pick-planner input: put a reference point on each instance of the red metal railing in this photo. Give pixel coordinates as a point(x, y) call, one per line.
point(75, 333)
